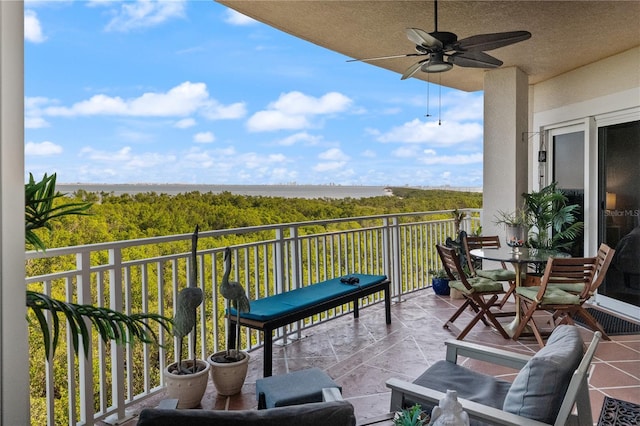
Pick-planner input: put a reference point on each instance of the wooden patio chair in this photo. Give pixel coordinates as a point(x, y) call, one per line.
point(567, 315)
point(547, 387)
point(472, 242)
point(480, 294)
point(552, 294)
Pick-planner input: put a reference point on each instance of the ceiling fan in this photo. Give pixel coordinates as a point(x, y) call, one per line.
point(444, 50)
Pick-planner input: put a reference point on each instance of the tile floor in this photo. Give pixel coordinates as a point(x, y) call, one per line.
point(362, 354)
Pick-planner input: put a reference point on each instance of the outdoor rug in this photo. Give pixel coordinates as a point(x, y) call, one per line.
point(613, 325)
point(616, 412)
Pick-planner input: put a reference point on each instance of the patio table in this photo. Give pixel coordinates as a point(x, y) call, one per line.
point(523, 256)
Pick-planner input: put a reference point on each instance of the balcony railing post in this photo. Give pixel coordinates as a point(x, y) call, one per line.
point(85, 360)
point(396, 273)
point(117, 351)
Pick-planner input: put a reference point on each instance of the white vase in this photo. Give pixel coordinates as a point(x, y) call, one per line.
point(228, 377)
point(188, 389)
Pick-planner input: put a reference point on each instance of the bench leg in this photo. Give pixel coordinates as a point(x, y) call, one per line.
point(356, 308)
point(267, 366)
point(387, 304)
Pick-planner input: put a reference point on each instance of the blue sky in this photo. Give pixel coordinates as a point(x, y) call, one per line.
point(192, 92)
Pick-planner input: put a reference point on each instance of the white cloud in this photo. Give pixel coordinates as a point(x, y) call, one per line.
point(235, 18)
point(127, 159)
point(452, 160)
point(32, 28)
point(216, 111)
point(368, 153)
point(35, 123)
point(42, 148)
point(302, 137)
point(185, 99)
point(449, 133)
point(329, 166)
point(295, 110)
point(334, 154)
point(143, 13)
point(185, 123)
point(204, 137)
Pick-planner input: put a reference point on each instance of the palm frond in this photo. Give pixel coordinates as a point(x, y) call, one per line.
point(110, 324)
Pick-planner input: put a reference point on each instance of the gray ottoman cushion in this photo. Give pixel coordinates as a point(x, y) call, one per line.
point(298, 387)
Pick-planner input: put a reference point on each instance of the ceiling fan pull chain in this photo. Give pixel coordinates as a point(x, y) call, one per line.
point(439, 99)
point(428, 84)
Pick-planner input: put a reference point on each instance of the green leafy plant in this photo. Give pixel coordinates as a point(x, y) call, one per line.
point(413, 416)
point(438, 273)
point(519, 217)
point(555, 222)
point(40, 210)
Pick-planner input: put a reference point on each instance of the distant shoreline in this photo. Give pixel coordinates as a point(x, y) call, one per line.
point(287, 191)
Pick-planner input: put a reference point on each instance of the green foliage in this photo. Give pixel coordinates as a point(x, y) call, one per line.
point(40, 209)
point(555, 222)
point(111, 325)
point(413, 416)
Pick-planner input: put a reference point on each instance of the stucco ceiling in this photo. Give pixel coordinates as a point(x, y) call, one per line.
point(565, 34)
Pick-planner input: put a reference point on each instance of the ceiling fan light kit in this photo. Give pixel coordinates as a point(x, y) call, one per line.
point(444, 50)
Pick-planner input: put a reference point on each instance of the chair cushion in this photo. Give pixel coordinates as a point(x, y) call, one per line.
point(472, 385)
point(497, 274)
point(570, 287)
point(335, 413)
point(538, 390)
point(552, 296)
point(478, 284)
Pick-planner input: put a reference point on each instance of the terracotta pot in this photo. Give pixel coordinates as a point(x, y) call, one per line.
point(228, 377)
point(188, 389)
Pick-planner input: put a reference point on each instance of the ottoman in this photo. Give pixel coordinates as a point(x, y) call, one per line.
point(298, 387)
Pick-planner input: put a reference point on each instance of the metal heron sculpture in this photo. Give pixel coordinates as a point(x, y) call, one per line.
point(235, 295)
point(187, 303)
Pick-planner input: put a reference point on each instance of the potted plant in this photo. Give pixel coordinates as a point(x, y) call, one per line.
point(413, 416)
point(229, 367)
point(440, 282)
point(516, 225)
point(554, 221)
point(186, 380)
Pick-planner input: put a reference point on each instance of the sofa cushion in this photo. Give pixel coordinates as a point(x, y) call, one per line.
point(538, 390)
point(471, 385)
point(335, 413)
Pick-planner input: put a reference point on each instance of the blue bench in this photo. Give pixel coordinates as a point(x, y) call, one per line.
point(270, 313)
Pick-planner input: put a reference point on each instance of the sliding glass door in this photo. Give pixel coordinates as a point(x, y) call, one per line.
point(619, 214)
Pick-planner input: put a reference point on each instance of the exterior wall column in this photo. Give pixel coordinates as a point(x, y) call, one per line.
point(14, 348)
point(506, 100)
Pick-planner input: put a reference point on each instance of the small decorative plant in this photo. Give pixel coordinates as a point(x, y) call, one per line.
point(439, 273)
point(413, 416)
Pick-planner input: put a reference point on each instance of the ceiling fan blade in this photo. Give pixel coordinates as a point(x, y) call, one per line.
point(413, 69)
point(491, 41)
point(423, 38)
point(474, 60)
point(385, 57)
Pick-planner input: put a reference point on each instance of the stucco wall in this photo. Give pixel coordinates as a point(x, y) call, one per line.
point(615, 74)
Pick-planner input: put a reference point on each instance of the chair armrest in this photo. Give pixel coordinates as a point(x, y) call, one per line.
point(401, 389)
point(496, 356)
point(331, 394)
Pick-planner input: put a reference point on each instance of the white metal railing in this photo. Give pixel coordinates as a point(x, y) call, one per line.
point(271, 259)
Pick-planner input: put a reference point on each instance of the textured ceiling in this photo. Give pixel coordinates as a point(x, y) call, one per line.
point(565, 34)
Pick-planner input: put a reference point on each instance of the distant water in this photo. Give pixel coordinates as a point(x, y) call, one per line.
point(287, 191)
